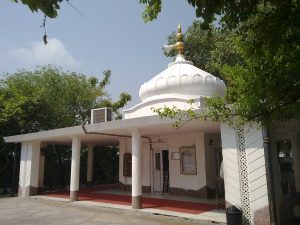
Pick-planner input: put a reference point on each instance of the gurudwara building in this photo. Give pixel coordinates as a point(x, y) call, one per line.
point(155, 157)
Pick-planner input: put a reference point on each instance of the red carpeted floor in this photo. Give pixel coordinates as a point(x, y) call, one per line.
point(91, 194)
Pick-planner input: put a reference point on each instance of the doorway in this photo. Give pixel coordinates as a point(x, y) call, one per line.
point(160, 171)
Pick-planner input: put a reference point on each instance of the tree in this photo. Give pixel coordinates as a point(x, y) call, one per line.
point(265, 87)
point(48, 98)
point(231, 12)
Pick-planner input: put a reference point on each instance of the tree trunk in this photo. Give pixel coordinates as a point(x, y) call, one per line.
point(269, 174)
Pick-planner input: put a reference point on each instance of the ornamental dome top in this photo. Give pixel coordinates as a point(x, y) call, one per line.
point(181, 78)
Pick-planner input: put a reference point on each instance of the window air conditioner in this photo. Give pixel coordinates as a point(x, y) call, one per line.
point(101, 115)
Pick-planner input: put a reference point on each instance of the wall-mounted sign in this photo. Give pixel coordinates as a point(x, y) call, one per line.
point(188, 160)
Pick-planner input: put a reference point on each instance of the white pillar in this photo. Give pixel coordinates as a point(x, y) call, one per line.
point(29, 169)
point(136, 170)
point(257, 176)
point(230, 166)
point(90, 163)
point(75, 169)
point(245, 173)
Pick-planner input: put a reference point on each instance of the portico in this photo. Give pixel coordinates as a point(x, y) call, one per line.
point(145, 129)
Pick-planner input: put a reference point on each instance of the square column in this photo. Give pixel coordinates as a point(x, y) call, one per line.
point(231, 169)
point(75, 169)
point(90, 165)
point(136, 170)
point(245, 173)
point(29, 169)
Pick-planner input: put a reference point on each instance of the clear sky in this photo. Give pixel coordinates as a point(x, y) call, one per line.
point(111, 35)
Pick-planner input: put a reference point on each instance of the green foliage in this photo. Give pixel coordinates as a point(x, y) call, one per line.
point(57, 167)
point(180, 116)
point(152, 9)
point(231, 12)
point(48, 98)
point(259, 60)
point(267, 87)
point(49, 7)
point(58, 164)
point(106, 165)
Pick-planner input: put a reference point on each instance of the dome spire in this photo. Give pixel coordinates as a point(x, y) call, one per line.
point(179, 44)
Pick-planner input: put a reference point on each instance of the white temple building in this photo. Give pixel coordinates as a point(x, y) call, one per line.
point(156, 157)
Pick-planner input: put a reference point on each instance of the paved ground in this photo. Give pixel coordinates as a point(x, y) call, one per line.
point(31, 211)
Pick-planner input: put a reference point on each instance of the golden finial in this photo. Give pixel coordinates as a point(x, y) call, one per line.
point(179, 44)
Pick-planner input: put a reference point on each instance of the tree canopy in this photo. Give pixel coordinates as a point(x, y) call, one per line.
point(49, 98)
point(264, 86)
point(231, 12)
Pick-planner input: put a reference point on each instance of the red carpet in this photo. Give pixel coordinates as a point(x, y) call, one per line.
point(90, 194)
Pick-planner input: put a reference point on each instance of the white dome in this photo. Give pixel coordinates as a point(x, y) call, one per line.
point(182, 78)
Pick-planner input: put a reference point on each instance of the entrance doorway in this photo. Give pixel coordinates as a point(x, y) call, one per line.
point(160, 170)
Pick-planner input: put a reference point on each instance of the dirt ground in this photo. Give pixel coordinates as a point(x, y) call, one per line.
point(31, 211)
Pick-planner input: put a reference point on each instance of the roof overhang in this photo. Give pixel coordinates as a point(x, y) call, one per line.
point(150, 126)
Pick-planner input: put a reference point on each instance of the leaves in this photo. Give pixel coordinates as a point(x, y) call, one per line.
point(49, 7)
point(152, 9)
point(49, 98)
point(259, 60)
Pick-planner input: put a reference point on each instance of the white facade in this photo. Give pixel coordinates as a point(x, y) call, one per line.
point(245, 172)
point(198, 184)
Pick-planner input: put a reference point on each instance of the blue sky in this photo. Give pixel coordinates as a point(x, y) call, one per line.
point(112, 35)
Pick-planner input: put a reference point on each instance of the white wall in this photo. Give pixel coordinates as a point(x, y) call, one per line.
point(230, 166)
point(251, 169)
point(146, 108)
point(125, 147)
point(173, 144)
point(257, 175)
point(29, 167)
point(188, 182)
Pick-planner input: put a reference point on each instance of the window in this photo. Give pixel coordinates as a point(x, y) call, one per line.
point(188, 160)
point(127, 163)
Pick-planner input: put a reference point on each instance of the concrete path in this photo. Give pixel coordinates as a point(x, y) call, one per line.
point(31, 211)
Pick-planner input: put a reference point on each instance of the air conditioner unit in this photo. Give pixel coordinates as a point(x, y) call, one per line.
point(101, 115)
